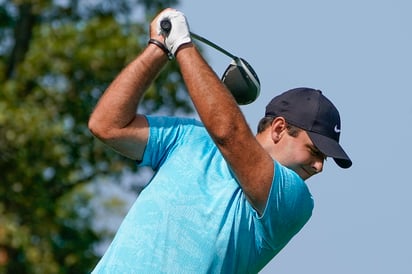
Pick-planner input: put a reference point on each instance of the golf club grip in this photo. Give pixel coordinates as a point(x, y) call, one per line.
point(166, 25)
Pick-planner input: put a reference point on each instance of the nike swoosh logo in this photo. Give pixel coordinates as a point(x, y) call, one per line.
point(337, 130)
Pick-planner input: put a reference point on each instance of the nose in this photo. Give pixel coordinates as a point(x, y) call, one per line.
point(317, 165)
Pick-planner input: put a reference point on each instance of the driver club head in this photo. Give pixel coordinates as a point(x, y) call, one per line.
point(242, 81)
point(239, 77)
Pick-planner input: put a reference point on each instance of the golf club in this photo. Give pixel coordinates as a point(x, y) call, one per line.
point(239, 77)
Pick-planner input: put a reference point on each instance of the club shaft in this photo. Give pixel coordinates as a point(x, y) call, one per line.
point(166, 25)
point(211, 44)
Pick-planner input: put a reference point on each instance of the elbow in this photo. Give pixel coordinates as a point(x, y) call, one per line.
point(227, 130)
point(225, 135)
point(98, 129)
point(93, 127)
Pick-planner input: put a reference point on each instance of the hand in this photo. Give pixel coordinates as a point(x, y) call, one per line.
point(179, 33)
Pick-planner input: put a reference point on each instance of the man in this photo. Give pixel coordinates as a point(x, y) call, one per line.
point(221, 199)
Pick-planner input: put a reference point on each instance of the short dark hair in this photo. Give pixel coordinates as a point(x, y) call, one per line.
point(266, 121)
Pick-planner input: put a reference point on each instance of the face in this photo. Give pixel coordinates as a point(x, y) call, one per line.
point(299, 154)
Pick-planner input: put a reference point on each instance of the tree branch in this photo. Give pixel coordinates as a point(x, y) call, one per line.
point(23, 31)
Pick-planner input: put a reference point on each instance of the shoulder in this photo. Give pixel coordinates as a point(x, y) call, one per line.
point(173, 128)
point(289, 186)
point(172, 121)
point(289, 205)
point(165, 134)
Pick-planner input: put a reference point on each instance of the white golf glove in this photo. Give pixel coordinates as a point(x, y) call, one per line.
point(179, 33)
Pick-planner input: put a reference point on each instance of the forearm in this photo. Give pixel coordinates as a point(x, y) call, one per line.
point(118, 105)
point(214, 103)
point(227, 126)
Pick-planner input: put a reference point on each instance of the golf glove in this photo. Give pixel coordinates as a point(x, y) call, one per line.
point(179, 33)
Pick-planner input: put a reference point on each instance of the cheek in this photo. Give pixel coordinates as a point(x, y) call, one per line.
point(298, 156)
point(293, 154)
point(290, 157)
point(304, 157)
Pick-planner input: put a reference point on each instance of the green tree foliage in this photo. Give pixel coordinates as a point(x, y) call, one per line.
point(56, 59)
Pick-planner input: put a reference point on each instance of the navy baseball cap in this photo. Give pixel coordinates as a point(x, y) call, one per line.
point(310, 110)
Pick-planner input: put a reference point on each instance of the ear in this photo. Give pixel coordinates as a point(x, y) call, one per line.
point(278, 128)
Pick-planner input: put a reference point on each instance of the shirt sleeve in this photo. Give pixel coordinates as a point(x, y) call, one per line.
point(164, 134)
point(289, 207)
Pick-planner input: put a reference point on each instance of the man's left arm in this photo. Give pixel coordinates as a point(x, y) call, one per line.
point(224, 120)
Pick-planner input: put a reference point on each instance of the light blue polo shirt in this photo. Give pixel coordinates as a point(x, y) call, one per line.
point(193, 216)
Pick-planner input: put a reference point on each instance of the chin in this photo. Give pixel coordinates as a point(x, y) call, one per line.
point(300, 172)
point(304, 178)
point(303, 174)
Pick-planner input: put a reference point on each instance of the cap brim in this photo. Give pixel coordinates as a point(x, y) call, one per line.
point(331, 148)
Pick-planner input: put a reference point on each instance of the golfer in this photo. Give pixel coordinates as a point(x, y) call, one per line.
point(221, 199)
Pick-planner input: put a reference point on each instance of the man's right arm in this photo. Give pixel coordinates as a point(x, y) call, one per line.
point(114, 120)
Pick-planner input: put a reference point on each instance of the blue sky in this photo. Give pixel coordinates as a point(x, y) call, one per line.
point(359, 53)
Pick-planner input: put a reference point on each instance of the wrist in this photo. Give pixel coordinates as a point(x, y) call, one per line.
point(183, 48)
point(161, 46)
